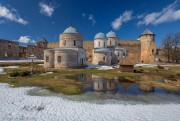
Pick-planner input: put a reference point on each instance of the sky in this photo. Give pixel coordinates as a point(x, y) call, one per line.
point(26, 21)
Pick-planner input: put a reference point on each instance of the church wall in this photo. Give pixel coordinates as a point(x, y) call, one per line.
point(101, 58)
point(70, 40)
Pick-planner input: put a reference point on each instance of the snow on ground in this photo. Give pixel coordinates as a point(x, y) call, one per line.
point(17, 105)
point(23, 60)
point(2, 69)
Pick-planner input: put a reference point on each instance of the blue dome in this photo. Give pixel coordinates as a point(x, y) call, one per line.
point(100, 35)
point(111, 34)
point(70, 30)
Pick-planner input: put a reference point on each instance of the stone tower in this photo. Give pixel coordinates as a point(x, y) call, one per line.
point(148, 47)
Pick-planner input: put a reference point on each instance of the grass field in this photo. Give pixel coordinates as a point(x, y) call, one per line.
point(72, 86)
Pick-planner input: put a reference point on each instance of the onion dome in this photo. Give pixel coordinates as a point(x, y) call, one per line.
point(100, 35)
point(111, 34)
point(70, 30)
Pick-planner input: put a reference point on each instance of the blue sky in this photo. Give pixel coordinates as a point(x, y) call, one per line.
point(28, 20)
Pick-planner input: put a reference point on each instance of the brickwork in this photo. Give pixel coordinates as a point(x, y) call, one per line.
point(9, 49)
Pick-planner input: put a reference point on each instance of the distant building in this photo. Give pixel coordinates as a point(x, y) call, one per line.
point(12, 50)
point(9, 49)
point(69, 54)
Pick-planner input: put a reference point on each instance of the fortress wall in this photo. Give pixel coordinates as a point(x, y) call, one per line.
point(133, 48)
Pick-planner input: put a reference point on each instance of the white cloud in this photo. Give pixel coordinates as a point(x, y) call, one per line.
point(11, 15)
point(167, 14)
point(89, 17)
point(46, 9)
point(117, 23)
point(92, 19)
point(83, 14)
point(26, 39)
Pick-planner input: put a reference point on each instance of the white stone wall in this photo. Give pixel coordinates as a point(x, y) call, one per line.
point(99, 43)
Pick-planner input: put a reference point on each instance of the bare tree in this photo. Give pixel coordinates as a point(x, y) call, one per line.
point(171, 47)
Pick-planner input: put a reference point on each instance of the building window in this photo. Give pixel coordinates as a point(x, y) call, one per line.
point(9, 46)
point(110, 42)
point(64, 42)
point(6, 55)
point(99, 43)
point(153, 51)
point(104, 58)
point(118, 54)
point(104, 44)
point(74, 42)
point(124, 54)
point(47, 58)
point(59, 59)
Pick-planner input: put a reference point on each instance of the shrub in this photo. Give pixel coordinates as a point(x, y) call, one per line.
point(172, 78)
point(160, 67)
point(14, 74)
point(25, 73)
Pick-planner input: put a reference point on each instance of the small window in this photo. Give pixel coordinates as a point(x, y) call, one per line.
point(110, 42)
point(118, 54)
point(64, 42)
point(9, 45)
point(47, 58)
point(124, 54)
point(104, 58)
point(104, 44)
point(152, 51)
point(74, 42)
point(99, 43)
point(59, 59)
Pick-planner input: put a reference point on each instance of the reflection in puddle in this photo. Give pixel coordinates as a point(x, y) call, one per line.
point(118, 90)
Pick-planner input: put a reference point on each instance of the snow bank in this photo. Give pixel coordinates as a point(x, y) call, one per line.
point(25, 60)
point(17, 105)
point(2, 69)
point(145, 65)
point(105, 68)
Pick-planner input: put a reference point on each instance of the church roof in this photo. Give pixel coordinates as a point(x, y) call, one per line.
point(147, 32)
point(111, 34)
point(100, 35)
point(71, 30)
point(126, 61)
point(43, 40)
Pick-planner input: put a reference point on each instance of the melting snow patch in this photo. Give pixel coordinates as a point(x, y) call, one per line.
point(47, 73)
point(105, 68)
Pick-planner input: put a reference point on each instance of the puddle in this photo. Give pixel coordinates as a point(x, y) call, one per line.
point(118, 90)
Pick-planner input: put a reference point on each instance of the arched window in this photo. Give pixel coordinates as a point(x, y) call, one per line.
point(104, 44)
point(124, 54)
point(47, 58)
point(110, 42)
point(59, 59)
point(74, 42)
point(64, 42)
point(153, 51)
point(99, 43)
point(104, 58)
